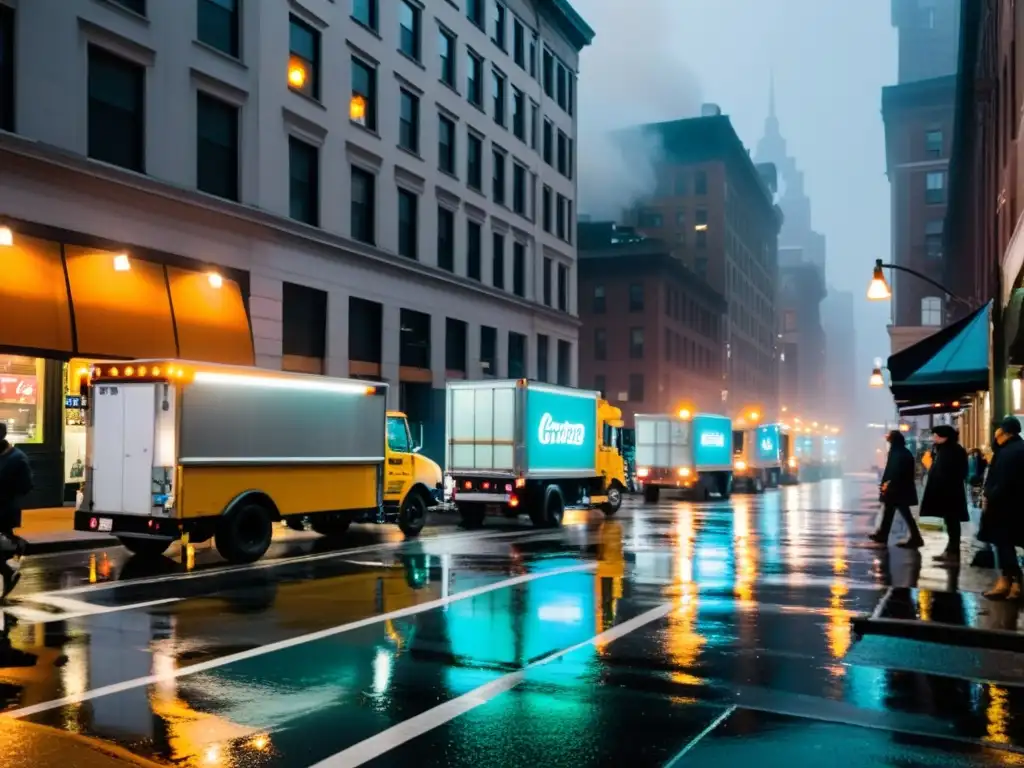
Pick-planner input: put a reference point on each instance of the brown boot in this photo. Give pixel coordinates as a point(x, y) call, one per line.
point(1014, 593)
point(1001, 589)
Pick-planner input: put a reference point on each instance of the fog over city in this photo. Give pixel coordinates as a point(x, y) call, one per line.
point(657, 60)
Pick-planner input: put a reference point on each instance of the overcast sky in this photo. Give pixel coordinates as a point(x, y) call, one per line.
point(660, 59)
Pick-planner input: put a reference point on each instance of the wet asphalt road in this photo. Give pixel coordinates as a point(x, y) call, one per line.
point(712, 634)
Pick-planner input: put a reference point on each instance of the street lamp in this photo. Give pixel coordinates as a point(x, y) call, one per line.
point(877, 380)
point(878, 289)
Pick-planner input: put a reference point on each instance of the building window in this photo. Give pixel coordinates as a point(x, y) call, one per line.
point(700, 227)
point(563, 154)
point(498, 94)
point(474, 249)
point(498, 191)
point(542, 357)
point(304, 182)
point(455, 337)
point(669, 339)
point(700, 183)
point(364, 208)
point(408, 224)
point(519, 189)
point(561, 89)
point(600, 344)
point(447, 52)
point(363, 104)
point(516, 355)
point(549, 142)
point(476, 11)
point(636, 297)
point(303, 58)
point(599, 304)
point(365, 12)
point(489, 350)
point(549, 267)
point(563, 288)
point(474, 79)
point(445, 238)
point(789, 321)
point(534, 122)
point(648, 219)
point(519, 43)
point(365, 330)
point(474, 162)
point(498, 260)
point(518, 268)
point(636, 343)
point(636, 388)
point(409, 122)
point(564, 355)
point(546, 208)
point(933, 143)
point(548, 74)
point(218, 25)
point(6, 68)
point(519, 114)
point(931, 310)
point(414, 339)
point(303, 328)
point(601, 385)
point(446, 144)
point(499, 35)
point(116, 110)
point(409, 29)
point(560, 217)
point(136, 6)
point(216, 147)
point(933, 239)
point(935, 188)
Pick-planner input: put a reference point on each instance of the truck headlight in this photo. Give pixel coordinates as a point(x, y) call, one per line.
point(740, 465)
point(791, 462)
point(684, 471)
point(643, 472)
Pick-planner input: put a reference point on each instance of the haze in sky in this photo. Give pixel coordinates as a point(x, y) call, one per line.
point(660, 59)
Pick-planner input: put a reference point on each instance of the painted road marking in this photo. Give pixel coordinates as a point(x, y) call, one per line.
point(25, 613)
point(406, 731)
point(282, 645)
point(678, 759)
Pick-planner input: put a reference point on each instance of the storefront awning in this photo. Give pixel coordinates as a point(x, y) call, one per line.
point(34, 295)
point(949, 365)
point(212, 322)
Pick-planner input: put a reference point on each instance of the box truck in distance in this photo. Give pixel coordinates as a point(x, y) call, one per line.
point(522, 447)
point(758, 458)
point(178, 449)
point(683, 452)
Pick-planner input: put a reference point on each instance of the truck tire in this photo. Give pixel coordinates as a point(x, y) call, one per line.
point(611, 506)
point(144, 547)
point(651, 494)
point(244, 533)
point(472, 515)
point(413, 515)
point(330, 526)
point(553, 511)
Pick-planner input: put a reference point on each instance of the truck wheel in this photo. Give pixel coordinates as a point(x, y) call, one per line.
point(244, 533)
point(472, 515)
point(330, 525)
point(611, 506)
point(554, 507)
point(651, 494)
point(144, 547)
point(413, 515)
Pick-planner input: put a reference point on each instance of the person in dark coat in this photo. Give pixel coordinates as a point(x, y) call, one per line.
point(1002, 522)
point(945, 495)
point(15, 484)
point(898, 492)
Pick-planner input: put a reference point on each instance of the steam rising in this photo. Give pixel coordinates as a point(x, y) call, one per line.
point(635, 72)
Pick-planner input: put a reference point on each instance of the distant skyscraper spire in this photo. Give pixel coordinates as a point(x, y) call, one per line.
point(771, 93)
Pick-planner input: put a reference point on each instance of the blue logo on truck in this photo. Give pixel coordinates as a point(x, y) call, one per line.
point(768, 444)
point(560, 431)
point(712, 436)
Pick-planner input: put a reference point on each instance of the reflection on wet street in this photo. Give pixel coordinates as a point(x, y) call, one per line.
point(679, 633)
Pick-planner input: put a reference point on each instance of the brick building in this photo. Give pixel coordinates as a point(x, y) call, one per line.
point(715, 208)
point(652, 330)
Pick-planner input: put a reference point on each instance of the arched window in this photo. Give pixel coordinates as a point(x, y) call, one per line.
point(931, 310)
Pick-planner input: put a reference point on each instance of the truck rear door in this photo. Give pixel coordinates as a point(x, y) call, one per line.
point(122, 437)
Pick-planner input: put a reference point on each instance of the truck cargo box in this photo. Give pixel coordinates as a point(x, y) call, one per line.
point(712, 436)
point(520, 428)
point(662, 442)
point(769, 445)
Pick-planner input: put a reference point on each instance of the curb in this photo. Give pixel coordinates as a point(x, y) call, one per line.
point(940, 634)
point(57, 546)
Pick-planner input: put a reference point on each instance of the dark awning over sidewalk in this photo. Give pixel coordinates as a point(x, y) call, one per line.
point(951, 364)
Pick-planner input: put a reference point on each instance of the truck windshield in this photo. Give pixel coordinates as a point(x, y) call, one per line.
point(611, 437)
point(737, 442)
point(398, 435)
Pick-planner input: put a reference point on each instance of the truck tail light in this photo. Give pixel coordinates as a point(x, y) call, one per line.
point(684, 471)
point(513, 502)
point(643, 472)
point(520, 482)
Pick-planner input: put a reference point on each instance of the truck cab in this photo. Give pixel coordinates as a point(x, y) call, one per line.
point(407, 470)
point(610, 464)
point(789, 463)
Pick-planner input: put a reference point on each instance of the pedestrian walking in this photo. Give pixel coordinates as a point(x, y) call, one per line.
point(898, 492)
point(15, 484)
point(945, 493)
point(1002, 522)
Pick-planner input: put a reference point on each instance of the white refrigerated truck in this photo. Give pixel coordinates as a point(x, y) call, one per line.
point(687, 453)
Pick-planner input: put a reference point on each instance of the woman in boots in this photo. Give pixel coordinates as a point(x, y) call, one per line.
point(898, 493)
point(1002, 520)
point(945, 496)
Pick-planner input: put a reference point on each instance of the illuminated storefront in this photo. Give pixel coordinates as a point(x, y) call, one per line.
point(69, 299)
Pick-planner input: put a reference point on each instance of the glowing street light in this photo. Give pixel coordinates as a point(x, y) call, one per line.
point(215, 280)
point(6, 237)
point(122, 263)
point(876, 380)
point(878, 290)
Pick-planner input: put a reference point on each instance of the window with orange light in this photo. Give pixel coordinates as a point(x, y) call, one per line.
point(21, 397)
point(303, 58)
point(362, 106)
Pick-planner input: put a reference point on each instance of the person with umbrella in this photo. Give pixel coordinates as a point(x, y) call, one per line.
point(944, 494)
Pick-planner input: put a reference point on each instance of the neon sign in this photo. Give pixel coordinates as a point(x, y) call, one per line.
point(712, 440)
point(551, 432)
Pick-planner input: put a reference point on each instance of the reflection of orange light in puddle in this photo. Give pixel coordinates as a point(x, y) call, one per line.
point(996, 715)
point(839, 631)
point(260, 743)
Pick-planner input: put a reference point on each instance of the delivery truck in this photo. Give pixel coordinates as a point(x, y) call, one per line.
point(177, 449)
point(789, 463)
point(809, 452)
point(683, 452)
point(757, 458)
point(522, 447)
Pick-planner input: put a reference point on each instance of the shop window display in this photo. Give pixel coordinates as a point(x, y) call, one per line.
point(74, 424)
point(21, 398)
